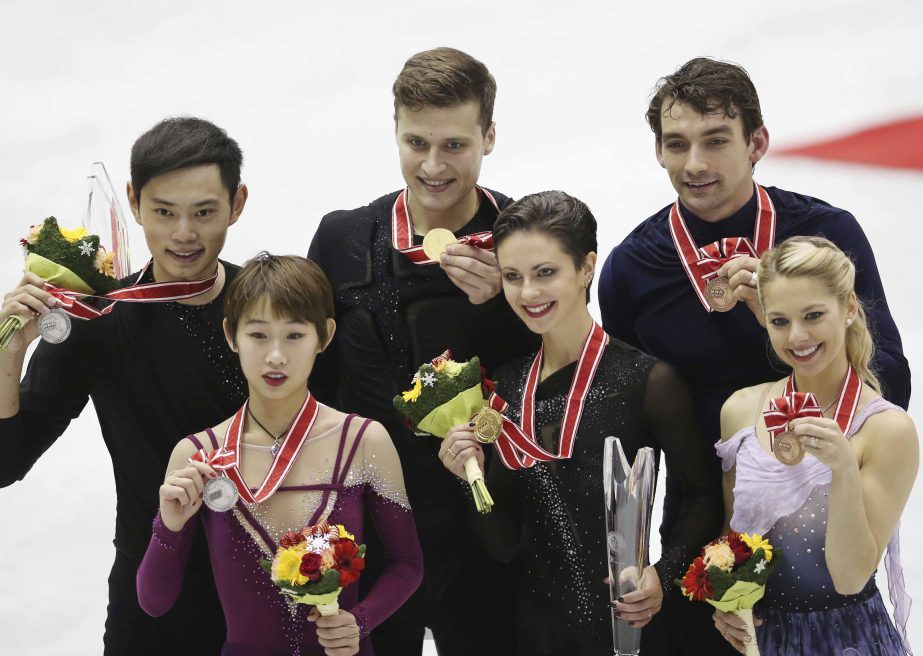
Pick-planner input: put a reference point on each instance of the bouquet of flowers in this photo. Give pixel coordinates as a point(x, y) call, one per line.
point(731, 574)
point(72, 259)
point(446, 393)
point(313, 565)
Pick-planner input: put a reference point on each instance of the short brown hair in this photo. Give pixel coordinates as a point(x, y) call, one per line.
point(293, 287)
point(445, 77)
point(708, 86)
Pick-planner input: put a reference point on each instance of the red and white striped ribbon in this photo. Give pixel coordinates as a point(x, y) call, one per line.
point(402, 231)
point(699, 264)
point(517, 445)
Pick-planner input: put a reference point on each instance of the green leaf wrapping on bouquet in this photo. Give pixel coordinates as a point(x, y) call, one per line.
point(318, 599)
point(740, 596)
point(444, 390)
point(70, 262)
point(454, 412)
point(751, 572)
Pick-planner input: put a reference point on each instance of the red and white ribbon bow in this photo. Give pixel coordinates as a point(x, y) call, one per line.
point(402, 231)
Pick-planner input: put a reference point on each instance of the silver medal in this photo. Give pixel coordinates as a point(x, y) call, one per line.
point(220, 494)
point(54, 327)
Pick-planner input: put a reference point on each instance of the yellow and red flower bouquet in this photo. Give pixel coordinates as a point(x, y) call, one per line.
point(731, 574)
point(313, 565)
point(69, 258)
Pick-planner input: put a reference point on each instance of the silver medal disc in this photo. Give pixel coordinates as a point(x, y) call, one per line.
point(220, 494)
point(54, 327)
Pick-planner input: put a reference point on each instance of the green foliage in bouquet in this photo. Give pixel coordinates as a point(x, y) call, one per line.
point(722, 581)
point(423, 398)
point(328, 582)
point(79, 254)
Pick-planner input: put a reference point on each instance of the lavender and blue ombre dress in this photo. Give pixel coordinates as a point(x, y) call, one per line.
point(802, 612)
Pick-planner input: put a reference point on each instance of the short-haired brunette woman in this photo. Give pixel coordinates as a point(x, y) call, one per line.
point(278, 317)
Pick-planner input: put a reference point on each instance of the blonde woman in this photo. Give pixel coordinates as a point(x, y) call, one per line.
point(831, 514)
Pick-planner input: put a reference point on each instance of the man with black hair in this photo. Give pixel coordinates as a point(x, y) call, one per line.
point(396, 309)
point(155, 371)
point(681, 286)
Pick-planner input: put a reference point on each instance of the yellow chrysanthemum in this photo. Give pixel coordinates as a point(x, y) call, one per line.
point(756, 541)
point(414, 392)
point(286, 565)
point(104, 263)
point(34, 231)
point(719, 555)
point(344, 533)
point(73, 235)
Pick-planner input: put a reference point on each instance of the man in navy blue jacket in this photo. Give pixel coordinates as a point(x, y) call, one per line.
point(654, 289)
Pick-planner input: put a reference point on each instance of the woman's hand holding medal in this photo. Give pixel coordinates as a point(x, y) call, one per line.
point(181, 494)
point(823, 438)
point(26, 302)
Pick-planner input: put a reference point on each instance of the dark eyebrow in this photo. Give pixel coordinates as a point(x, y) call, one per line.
point(207, 201)
point(721, 129)
point(808, 308)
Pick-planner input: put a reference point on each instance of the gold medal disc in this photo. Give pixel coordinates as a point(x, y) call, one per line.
point(787, 449)
point(487, 425)
point(435, 242)
point(718, 295)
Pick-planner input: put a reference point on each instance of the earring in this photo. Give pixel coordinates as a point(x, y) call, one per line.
point(848, 323)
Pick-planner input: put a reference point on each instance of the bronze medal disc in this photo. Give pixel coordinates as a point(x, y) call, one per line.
point(787, 449)
point(487, 425)
point(435, 242)
point(718, 295)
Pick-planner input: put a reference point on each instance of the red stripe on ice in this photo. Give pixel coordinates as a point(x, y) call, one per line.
point(893, 145)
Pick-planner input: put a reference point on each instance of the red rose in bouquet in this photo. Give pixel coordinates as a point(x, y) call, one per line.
point(310, 566)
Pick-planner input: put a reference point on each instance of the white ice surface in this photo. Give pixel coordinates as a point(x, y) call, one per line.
point(305, 89)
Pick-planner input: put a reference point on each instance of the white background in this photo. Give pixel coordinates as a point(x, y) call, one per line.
point(305, 88)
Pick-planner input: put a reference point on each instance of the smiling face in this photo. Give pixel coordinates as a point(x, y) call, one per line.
point(807, 324)
point(185, 215)
point(709, 159)
point(541, 282)
point(441, 149)
point(276, 353)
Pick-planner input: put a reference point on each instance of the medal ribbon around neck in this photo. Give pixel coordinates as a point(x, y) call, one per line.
point(227, 458)
point(803, 404)
point(516, 445)
point(701, 264)
point(154, 292)
point(402, 231)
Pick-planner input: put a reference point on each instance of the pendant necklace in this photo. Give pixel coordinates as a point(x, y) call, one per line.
point(276, 439)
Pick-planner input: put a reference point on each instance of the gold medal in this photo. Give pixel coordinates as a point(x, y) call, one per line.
point(787, 448)
point(487, 425)
point(435, 242)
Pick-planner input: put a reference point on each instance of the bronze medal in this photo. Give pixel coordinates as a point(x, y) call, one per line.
point(787, 449)
point(435, 242)
point(487, 425)
point(719, 296)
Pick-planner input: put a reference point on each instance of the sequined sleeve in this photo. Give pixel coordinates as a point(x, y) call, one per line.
point(670, 420)
point(160, 575)
point(386, 501)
